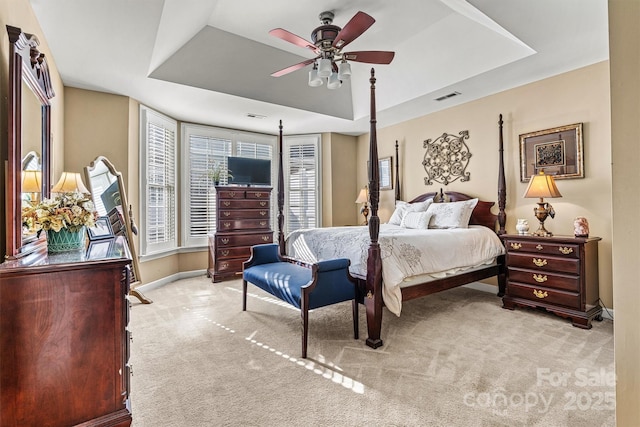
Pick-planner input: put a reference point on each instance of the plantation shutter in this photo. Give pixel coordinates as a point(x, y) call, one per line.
point(204, 154)
point(159, 183)
point(302, 166)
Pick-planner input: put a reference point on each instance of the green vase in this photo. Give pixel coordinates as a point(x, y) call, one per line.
point(65, 240)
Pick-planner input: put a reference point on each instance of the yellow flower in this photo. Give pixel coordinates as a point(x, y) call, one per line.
point(67, 210)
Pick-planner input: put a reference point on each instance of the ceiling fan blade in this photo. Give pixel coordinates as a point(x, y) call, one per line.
point(370, 56)
point(292, 38)
point(293, 68)
point(356, 26)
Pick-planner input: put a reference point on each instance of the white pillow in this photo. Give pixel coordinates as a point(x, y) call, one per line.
point(452, 214)
point(419, 220)
point(403, 207)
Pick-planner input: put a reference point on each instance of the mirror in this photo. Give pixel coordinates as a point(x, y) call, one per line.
point(110, 199)
point(29, 126)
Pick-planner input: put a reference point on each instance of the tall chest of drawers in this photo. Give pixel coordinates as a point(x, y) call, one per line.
point(559, 274)
point(243, 220)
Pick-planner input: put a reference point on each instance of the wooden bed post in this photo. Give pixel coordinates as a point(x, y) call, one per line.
point(398, 195)
point(502, 186)
point(280, 195)
point(373, 296)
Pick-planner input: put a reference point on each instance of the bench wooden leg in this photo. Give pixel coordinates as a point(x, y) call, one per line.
point(354, 305)
point(244, 295)
point(304, 311)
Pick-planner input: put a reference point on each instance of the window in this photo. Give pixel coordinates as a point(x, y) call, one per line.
point(203, 148)
point(301, 161)
point(157, 182)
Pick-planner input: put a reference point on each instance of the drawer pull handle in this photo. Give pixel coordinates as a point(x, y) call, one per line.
point(227, 224)
point(540, 294)
point(516, 245)
point(263, 204)
point(226, 203)
point(263, 223)
point(258, 194)
point(232, 193)
point(225, 253)
point(263, 213)
point(540, 262)
point(540, 278)
point(265, 238)
point(224, 266)
point(226, 213)
point(565, 250)
point(539, 247)
point(225, 241)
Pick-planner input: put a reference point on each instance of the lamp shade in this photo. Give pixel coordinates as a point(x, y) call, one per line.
point(31, 181)
point(334, 82)
point(324, 67)
point(344, 70)
point(542, 185)
point(69, 182)
point(314, 79)
point(363, 197)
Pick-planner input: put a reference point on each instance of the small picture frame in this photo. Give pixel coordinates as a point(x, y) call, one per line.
point(99, 249)
point(102, 230)
point(557, 151)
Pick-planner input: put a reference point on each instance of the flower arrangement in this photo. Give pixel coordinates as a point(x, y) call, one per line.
point(66, 210)
point(218, 172)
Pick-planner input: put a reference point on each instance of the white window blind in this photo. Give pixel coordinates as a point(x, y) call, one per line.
point(205, 147)
point(302, 179)
point(158, 181)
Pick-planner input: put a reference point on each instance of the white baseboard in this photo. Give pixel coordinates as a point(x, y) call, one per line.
point(169, 279)
point(607, 313)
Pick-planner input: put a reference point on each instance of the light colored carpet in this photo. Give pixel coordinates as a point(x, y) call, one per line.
point(452, 359)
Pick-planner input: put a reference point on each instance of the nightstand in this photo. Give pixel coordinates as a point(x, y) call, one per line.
point(559, 274)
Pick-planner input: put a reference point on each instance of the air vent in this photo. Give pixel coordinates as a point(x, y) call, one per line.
point(256, 116)
point(443, 97)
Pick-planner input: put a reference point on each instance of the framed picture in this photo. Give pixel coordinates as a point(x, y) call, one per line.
point(102, 230)
point(99, 249)
point(386, 173)
point(557, 151)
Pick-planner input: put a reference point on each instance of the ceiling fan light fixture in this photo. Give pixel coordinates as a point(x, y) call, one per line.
point(344, 70)
point(334, 82)
point(324, 67)
point(314, 79)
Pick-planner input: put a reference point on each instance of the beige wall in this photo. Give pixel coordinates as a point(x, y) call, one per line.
point(578, 96)
point(624, 38)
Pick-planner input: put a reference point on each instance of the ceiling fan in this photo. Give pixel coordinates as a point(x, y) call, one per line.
point(328, 42)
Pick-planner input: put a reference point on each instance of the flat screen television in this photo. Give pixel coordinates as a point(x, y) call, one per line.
point(246, 171)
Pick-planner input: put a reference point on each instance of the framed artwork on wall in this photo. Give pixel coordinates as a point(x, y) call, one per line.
point(386, 165)
point(557, 151)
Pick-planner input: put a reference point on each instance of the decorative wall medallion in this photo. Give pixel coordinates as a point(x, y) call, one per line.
point(446, 159)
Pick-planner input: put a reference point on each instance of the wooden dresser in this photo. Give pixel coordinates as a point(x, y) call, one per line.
point(64, 343)
point(559, 274)
point(243, 220)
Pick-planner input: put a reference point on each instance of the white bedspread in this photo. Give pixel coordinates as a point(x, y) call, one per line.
point(406, 253)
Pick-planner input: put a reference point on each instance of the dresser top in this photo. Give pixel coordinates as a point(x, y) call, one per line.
point(97, 251)
point(551, 239)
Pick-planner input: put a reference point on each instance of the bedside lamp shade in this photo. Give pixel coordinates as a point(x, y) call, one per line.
point(362, 197)
point(70, 182)
point(31, 181)
point(541, 186)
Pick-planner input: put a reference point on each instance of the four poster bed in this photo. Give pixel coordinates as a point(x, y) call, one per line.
point(468, 253)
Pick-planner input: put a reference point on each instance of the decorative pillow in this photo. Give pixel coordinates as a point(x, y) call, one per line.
point(403, 207)
point(452, 214)
point(419, 220)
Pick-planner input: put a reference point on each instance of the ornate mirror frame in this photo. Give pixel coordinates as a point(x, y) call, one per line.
point(129, 225)
point(28, 64)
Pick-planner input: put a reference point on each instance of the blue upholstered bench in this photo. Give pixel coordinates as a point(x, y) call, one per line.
point(303, 285)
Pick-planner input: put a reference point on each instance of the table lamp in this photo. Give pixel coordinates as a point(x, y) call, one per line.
point(363, 197)
point(541, 186)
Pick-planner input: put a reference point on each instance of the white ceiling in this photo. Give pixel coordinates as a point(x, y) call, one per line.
point(209, 61)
